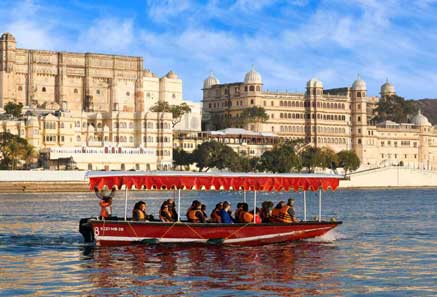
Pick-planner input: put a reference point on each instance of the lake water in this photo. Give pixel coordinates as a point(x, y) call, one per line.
point(387, 246)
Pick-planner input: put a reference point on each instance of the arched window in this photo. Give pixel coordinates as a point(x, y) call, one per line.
point(252, 88)
point(44, 89)
point(98, 92)
point(75, 91)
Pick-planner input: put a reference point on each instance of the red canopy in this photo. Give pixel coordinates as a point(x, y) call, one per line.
point(209, 181)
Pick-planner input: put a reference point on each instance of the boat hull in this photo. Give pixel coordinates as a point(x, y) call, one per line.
point(114, 232)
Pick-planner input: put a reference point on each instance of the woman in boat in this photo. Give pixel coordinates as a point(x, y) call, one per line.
point(194, 214)
point(238, 212)
point(105, 202)
point(139, 212)
point(203, 209)
point(215, 214)
point(164, 214)
point(266, 211)
point(172, 210)
point(224, 213)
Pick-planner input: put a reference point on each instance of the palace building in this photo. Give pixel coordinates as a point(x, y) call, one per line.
point(338, 118)
point(93, 108)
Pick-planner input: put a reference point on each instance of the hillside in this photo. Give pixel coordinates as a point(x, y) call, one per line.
point(428, 108)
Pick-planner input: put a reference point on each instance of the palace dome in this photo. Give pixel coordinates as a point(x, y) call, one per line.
point(210, 81)
point(314, 83)
point(172, 75)
point(387, 88)
point(420, 120)
point(252, 77)
point(359, 85)
point(7, 36)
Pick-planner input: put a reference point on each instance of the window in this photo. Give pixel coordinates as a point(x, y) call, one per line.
point(252, 88)
point(44, 89)
point(127, 93)
point(98, 92)
point(20, 88)
point(173, 96)
point(148, 95)
point(359, 141)
point(75, 91)
point(251, 101)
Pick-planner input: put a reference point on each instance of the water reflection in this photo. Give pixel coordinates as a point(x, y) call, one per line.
point(298, 268)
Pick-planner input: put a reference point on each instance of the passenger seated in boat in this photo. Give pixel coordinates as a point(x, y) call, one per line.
point(139, 212)
point(215, 213)
point(282, 213)
point(224, 213)
point(105, 202)
point(266, 211)
point(194, 214)
point(172, 209)
point(164, 214)
point(290, 203)
point(245, 216)
point(257, 216)
point(203, 209)
point(238, 212)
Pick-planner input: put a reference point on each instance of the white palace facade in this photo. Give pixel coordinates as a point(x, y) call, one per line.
point(336, 118)
point(93, 108)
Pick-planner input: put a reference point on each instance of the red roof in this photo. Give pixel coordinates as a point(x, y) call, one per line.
point(210, 181)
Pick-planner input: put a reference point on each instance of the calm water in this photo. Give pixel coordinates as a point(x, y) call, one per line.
point(387, 246)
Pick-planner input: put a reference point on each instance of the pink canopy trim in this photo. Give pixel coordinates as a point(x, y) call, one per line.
point(210, 182)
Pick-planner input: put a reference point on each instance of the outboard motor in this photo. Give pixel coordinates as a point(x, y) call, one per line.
point(86, 230)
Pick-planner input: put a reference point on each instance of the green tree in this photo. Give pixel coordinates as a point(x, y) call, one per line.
point(312, 157)
point(282, 159)
point(348, 160)
point(177, 111)
point(14, 150)
point(181, 157)
point(328, 158)
point(253, 114)
point(395, 108)
point(212, 154)
point(13, 109)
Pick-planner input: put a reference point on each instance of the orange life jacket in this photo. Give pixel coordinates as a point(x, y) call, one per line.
point(281, 215)
point(246, 217)
point(191, 216)
point(105, 208)
point(215, 217)
point(141, 216)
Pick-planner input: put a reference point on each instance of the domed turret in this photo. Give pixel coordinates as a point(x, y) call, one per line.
point(7, 37)
point(172, 75)
point(210, 81)
point(314, 83)
point(252, 77)
point(420, 120)
point(359, 85)
point(387, 89)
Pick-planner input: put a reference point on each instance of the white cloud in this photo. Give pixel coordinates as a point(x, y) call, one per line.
point(161, 10)
point(109, 35)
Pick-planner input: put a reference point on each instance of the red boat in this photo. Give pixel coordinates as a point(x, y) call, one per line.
point(121, 231)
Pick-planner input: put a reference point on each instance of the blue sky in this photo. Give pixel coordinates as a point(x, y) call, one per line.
point(287, 41)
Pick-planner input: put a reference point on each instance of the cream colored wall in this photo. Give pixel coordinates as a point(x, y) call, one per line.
point(170, 90)
point(151, 91)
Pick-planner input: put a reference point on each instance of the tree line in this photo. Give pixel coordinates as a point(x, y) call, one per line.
point(289, 156)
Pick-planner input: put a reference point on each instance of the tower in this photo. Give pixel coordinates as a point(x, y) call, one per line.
point(314, 91)
point(7, 75)
point(358, 95)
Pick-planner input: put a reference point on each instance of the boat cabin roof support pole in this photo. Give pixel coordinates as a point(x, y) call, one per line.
point(179, 205)
point(244, 196)
point(125, 203)
point(254, 207)
point(320, 205)
point(305, 205)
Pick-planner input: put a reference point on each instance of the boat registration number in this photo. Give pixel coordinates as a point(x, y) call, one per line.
point(111, 229)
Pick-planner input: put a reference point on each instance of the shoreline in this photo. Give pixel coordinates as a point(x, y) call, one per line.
point(83, 186)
